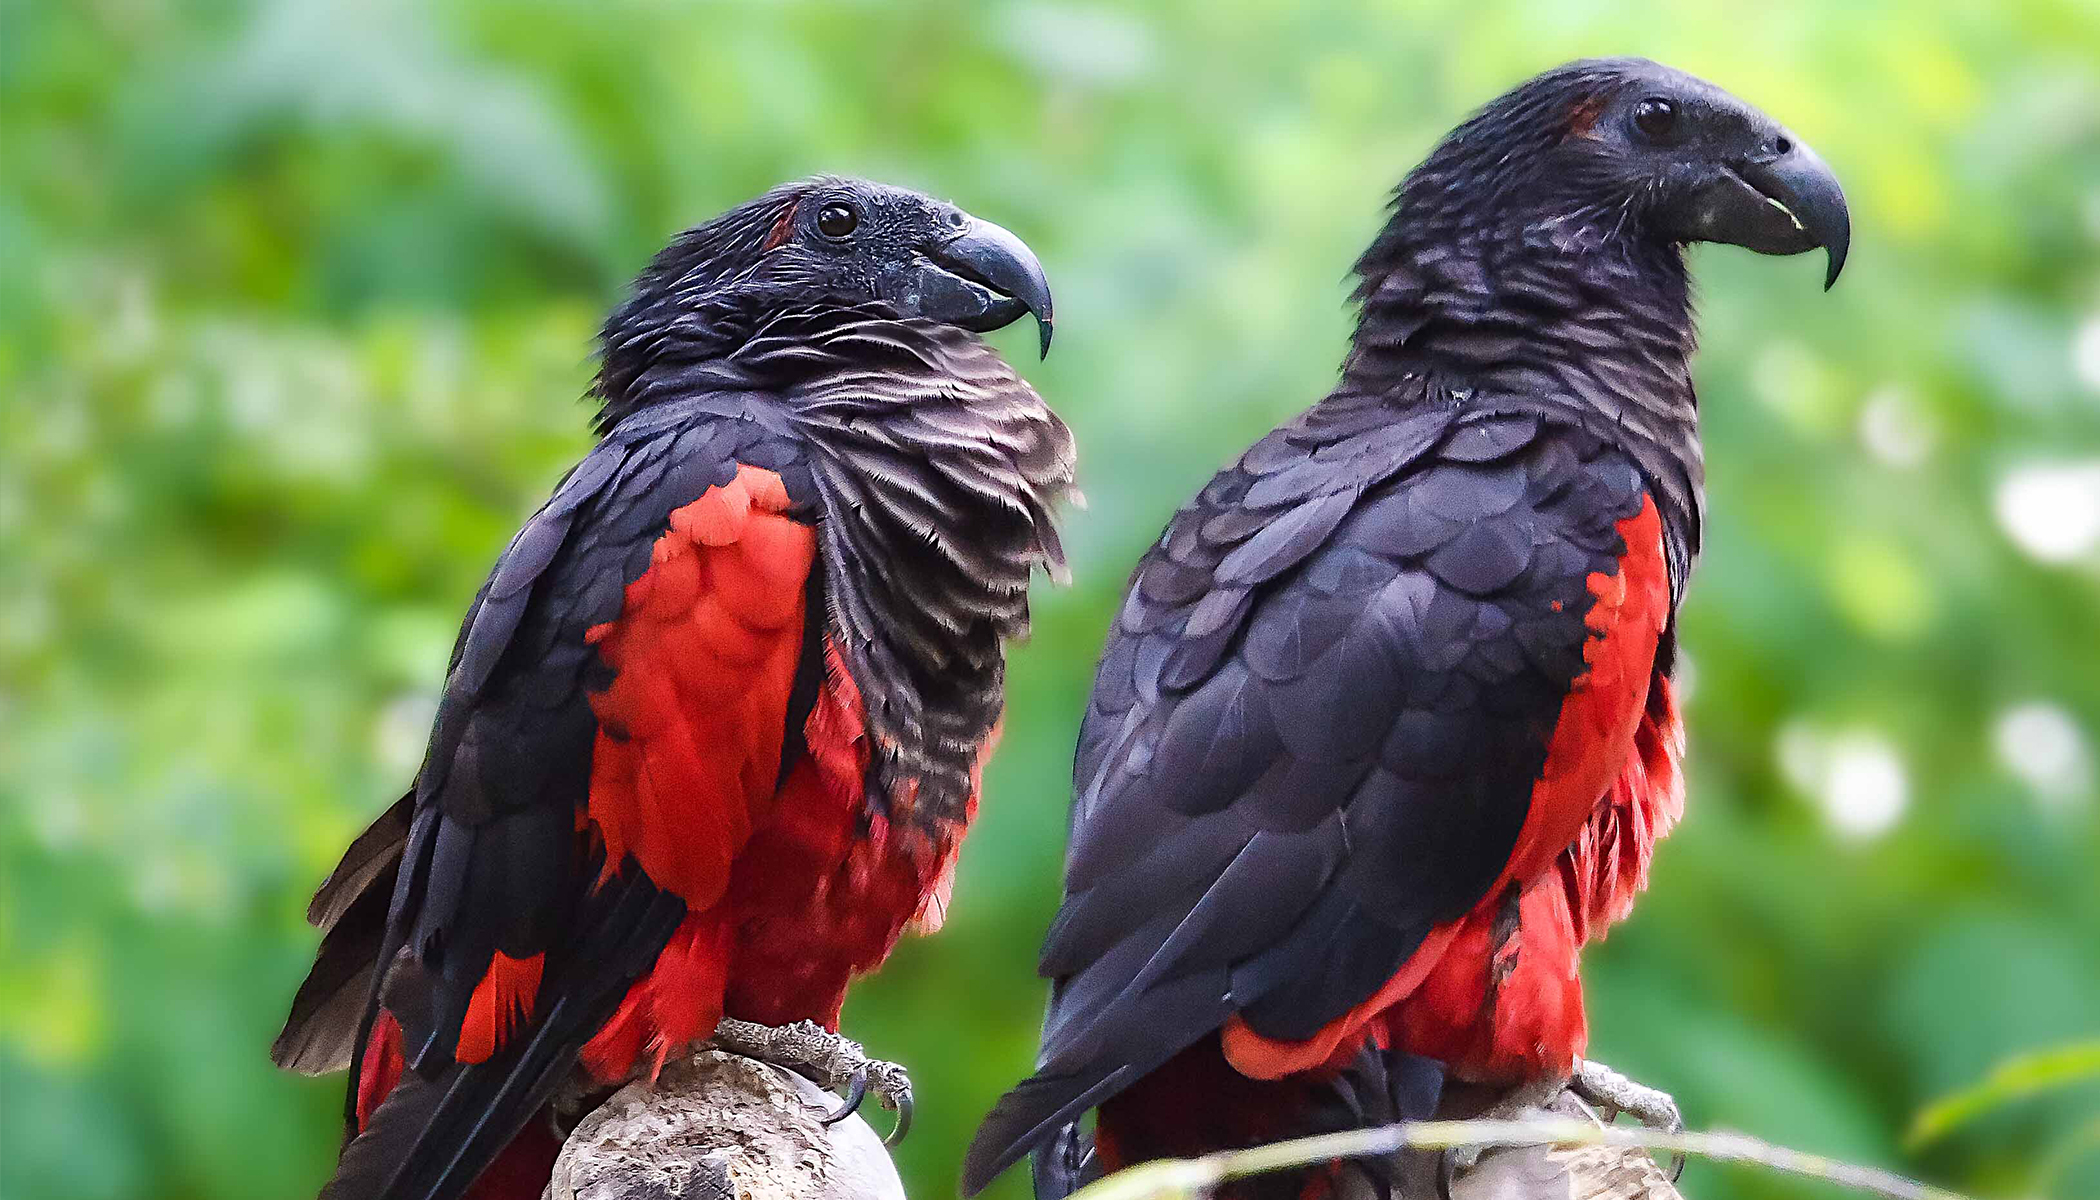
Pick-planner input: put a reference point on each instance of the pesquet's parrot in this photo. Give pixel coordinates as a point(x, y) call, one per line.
point(713, 729)
point(1384, 731)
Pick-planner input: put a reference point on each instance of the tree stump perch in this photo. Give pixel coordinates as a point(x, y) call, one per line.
point(716, 1126)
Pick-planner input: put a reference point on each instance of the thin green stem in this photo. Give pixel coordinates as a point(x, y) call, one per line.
point(1189, 1177)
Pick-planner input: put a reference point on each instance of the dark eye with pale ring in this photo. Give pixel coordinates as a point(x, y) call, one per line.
point(837, 220)
point(1655, 117)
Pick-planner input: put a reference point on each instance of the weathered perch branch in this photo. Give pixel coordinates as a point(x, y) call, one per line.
point(716, 1126)
point(1197, 1176)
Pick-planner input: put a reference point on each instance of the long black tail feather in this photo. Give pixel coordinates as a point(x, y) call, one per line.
point(321, 1031)
point(1037, 1110)
point(1379, 1087)
point(434, 1135)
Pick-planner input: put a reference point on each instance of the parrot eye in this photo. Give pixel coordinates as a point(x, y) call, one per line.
point(1655, 117)
point(836, 220)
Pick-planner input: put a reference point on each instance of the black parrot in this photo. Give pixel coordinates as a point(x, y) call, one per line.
point(1384, 730)
point(714, 728)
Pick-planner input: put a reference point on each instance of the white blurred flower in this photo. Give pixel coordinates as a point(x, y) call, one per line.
point(1857, 779)
point(2051, 510)
point(1865, 788)
point(2041, 744)
point(2085, 352)
point(1799, 750)
point(1893, 429)
point(402, 731)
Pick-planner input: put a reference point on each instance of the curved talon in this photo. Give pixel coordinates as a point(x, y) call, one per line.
point(856, 1091)
point(902, 1102)
point(1677, 1169)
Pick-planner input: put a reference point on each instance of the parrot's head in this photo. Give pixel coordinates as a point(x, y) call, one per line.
point(1605, 150)
point(832, 240)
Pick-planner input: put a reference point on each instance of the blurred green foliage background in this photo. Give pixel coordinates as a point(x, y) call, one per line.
point(297, 301)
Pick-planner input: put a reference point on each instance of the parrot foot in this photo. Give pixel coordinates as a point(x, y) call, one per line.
point(1611, 1094)
point(830, 1059)
point(1519, 1102)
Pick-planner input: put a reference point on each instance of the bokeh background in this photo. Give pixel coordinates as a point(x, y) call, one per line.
point(297, 303)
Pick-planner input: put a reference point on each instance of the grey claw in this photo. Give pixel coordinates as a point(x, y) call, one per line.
point(902, 1102)
point(1616, 1094)
point(856, 1091)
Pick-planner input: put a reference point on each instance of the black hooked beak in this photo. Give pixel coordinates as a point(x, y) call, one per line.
point(1783, 201)
point(997, 278)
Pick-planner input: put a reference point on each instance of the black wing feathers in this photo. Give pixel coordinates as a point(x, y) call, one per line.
point(1314, 732)
point(482, 856)
point(491, 861)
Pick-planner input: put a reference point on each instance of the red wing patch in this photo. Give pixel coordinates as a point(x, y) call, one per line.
point(704, 654)
point(690, 735)
point(793, 885)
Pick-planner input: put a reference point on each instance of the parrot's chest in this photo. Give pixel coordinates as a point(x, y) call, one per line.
point(822, 895)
